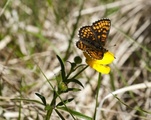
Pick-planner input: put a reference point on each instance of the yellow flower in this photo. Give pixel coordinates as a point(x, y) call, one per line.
point(100, 65)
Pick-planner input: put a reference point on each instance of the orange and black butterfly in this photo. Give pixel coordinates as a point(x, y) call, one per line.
point(93, 38)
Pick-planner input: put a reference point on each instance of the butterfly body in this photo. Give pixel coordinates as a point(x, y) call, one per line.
point(93, 38)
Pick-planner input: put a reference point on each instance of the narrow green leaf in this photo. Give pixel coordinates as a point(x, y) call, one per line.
point(73, 89)
point(42, 98)
point(75, 113)
point(75, 81)
point(62, 68)
point(28, 100)
point(60, 115)
point(64, 102)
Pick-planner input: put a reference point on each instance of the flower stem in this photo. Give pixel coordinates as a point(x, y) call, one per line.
point(97, 95)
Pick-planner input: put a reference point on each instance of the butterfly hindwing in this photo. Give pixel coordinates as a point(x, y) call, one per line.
point(95, 54)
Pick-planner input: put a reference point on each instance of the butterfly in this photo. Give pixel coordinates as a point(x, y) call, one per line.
point(93, 38)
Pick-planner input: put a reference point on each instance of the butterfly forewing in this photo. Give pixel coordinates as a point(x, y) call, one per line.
point(86, 33)
point(101, 29)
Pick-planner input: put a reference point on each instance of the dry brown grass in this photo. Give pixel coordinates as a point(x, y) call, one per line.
point(33, 32)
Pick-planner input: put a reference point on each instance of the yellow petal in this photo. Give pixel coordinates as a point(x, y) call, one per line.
point(98, 67)
point(107, 59)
